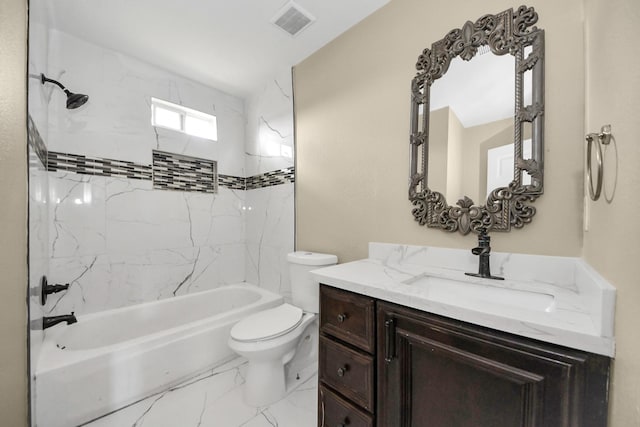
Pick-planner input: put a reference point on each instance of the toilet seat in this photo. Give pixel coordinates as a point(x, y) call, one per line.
point(267, 324)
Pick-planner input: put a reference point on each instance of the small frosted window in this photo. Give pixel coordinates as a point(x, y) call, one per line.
point(167, 118)
point(182, 119)
point(202, 127)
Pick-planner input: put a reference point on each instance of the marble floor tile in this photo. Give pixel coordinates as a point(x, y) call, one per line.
point(214, 399)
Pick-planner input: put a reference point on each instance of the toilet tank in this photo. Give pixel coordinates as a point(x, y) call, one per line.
point(305, 290)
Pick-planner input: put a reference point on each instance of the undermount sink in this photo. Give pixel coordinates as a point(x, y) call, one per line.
point(471, 293)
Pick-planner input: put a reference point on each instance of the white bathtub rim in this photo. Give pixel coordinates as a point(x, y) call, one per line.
point(110, 312)
point(53, 358)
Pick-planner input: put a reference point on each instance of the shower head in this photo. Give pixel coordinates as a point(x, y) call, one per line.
point(74, 100)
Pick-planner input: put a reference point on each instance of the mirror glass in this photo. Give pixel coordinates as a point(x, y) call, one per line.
point(480, 145)
point(471, 115)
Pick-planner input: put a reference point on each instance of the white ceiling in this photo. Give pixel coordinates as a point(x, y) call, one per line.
point(227, 44)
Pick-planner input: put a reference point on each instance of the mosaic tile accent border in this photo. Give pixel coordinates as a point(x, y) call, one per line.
point(96, 166)
point(169, 171)
point(269, 179)
point(178, 172)
point(232, 182)
point(35, 141)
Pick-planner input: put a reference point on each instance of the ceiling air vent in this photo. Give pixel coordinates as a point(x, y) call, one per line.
point(292, 18)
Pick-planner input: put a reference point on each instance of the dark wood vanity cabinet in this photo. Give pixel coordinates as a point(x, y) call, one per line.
point(439, 372)
point(422, 370)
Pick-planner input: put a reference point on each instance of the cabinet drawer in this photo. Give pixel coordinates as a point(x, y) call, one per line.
point(349, 317)
point(335, 411)
point(348, 371)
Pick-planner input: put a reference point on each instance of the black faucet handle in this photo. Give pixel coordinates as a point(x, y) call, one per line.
point(483, 238)
point(47, 289)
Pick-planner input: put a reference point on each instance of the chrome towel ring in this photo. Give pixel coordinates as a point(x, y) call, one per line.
point(596, 140)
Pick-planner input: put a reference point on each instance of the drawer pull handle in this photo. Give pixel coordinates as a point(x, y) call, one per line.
point(342, 371)
point(342, 317)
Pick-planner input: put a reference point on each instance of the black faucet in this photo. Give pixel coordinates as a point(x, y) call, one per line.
point(48, 322)
point(483, 250)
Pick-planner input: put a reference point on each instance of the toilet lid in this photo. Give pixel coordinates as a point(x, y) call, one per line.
point(267, 324)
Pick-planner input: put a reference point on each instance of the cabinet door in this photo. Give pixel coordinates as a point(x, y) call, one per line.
point(437, 372)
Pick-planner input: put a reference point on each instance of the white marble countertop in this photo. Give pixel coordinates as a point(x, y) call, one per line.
point(559, 300)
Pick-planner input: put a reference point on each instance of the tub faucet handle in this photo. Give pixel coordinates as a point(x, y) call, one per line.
point(46, 289)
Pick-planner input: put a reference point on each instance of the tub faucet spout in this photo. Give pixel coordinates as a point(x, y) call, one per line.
point(48, 322)
point(483, 250)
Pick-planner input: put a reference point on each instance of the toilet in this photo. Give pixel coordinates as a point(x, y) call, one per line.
point(269, 339)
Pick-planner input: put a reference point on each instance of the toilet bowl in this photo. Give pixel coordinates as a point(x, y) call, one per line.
point(269, 339)
point(267, 355)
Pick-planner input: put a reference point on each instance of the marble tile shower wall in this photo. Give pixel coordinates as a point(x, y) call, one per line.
point(130, 243)
point(115, 123)
point(270, 214)
point(118, 241)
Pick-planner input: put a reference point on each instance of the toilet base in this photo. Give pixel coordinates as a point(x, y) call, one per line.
point(265, 383)
point(270, 380)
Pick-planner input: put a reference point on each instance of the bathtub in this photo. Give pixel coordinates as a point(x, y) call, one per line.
point(113, 358)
